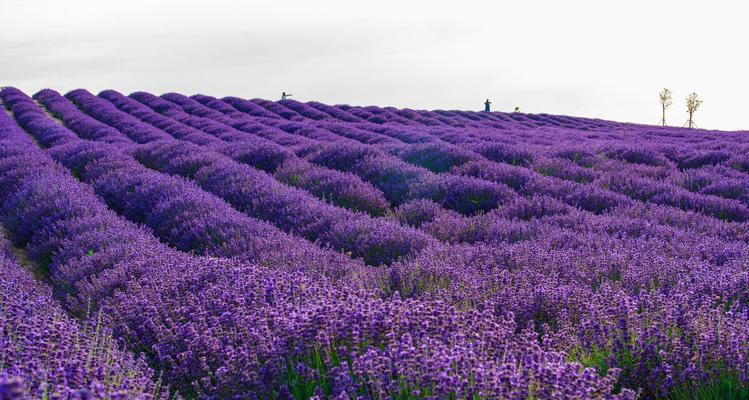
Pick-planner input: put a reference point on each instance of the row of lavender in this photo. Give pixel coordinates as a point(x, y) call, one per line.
point(47, 354)
point(224, 328)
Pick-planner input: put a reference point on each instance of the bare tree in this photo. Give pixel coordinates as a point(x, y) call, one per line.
point(666, 102)
point(693, 103)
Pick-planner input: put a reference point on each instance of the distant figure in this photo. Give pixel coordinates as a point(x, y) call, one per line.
point(487, 105)
point(284, 95)
point(517, 109)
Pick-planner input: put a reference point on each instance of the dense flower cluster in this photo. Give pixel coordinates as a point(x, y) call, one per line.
point(47, 354)
point(258, 249)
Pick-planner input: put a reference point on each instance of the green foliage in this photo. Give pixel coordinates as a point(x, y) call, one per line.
point(725, 387)
point(591, 358)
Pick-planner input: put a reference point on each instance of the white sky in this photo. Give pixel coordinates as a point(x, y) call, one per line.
point(599, 58)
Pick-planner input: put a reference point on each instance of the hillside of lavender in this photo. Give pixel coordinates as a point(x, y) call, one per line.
point(173, 246)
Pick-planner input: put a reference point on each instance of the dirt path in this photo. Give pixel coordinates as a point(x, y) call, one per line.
point(49, 114)
point(22, 258)
point(20, 254)
point(10, 114)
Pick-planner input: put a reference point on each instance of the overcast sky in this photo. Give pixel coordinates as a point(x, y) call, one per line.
point(597, 58)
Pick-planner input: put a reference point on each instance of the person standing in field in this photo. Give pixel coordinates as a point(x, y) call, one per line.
point(487, 105)
point(284, 95)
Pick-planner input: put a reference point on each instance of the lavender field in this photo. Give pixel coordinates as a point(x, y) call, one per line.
point(181, 246)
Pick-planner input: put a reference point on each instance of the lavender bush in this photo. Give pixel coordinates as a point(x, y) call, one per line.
point(48, 354)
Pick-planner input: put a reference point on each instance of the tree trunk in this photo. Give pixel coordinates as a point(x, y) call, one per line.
point(663, 115)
